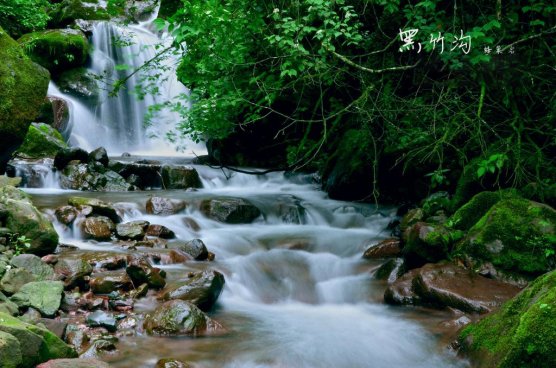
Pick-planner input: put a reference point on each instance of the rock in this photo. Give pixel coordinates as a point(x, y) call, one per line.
point(520, 334)
point(515, 235)
point(56, 49)
point(140, 292)
point(448, 285)
point(7, 306)
point(67, 155)
point(386, 248)
point(195, 248)
point(102, 319)
point(93, 177)
point(160, 231)
point(76, 337)
point(176, 317)
point(36, 344)
point(203, 289)
point(79, 82)
point(5, 181)
point(164, 206)
point(105, 283)
point(230, 210)
point(66, 214)
point(41, 141)
point(55, 326)
point(425, 243)
point(102, 344)
point(44, 296)
point(68, 11)
point(180, 177)
point(98, 228)
point(391, 270)
point(140, 271)
point(14, 279)
point(171, 363)
point(99, 155)
point(134, 230)
point(74, 363)
point(412, 217)
point(10, 352)
point(55, 112)
point(21, 217)
point(106, 260)
point(439, 201)
point(23, 87)
point(99, 207)
point(35, 266)
point(72, 271)
point(144, 173)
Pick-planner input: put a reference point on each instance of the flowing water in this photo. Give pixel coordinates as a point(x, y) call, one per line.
point(297, 292)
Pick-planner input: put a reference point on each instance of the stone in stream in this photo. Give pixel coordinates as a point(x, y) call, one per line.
point(202, 289)
point(134, 230)
point(41, 141)
point(142, 173)
point(99, 207)
point(107, 282)
point(160, 231)
point(66, 214)
point(426, 243)
point(98, 228)
point(92, 177)
point(448, 285)
point(384, 249)
point(176, 317)
point(105, 260)
point(180, 177)
point(67, 155)
point(172, 363)
point(230, 210)
point(391, 270)
point(74, 363)
point(99, 155)
point(44, 296)
point(99, 345)
point(196, 248)
point(35, 266)
point(140, 271)
point(14, 279)
point(164, 206)
point(72, 271)
point(102, 319)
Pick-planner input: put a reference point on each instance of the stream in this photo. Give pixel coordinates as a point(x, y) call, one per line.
point(297, 292)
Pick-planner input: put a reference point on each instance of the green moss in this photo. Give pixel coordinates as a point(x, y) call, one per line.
point(516, 235)
point(66, 12)
point(471, 212)
point(56, 49)
point(521, 334)
point(439, 201)
point(41, 141)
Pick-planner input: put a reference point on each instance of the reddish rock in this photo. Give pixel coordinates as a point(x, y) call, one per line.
point(66, 214)
point(160, 231)
point(98, 228)
point(385, 249)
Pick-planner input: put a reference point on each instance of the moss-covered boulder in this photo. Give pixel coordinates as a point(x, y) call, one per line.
point(471, 212)
point(41, 141)
point(68, 11)
point(516, 235)
point(79, 82)
point(18, 214)
point(521, 334)
point(23, 87)
point(10, 353)
point(44, 296)
point(56, 49)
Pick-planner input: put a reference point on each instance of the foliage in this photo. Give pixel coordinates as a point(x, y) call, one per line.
point(20, 16)
point(19, 243)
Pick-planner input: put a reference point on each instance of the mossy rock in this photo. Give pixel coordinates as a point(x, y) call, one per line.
point(540, 193)
point(80, 83)
point(68, 11)
point(23, 87)
point(517, 235)
point(471, 212)
point(439, 201)
point(169, 8)
point(41, 141)
point(10, 352)
point(521, 334)
point(56, 49)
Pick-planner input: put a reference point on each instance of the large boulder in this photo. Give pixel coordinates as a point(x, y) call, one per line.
point(44, 296)
point(68, 11)
point(470, 213)
point(14, 279)
point(177, 317)
point(447, 285)
point(424, 243)
point(143, 173)
point(35, 266)
point(98, 228)
point(80, 83)
point(36, 345)
point(515, 235)
point(99, 207)
point(202, 289)
point(164, 206)
point(520, 334)
point(41, 141)
point(10, 352)
point(91, 177)
point(230, 210)
point(23, 87)
point(18, 214)
point(180, 177)
point(133, 230)
point(56, 49)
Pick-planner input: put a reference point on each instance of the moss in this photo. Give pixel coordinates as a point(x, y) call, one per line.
point(41, 141)
point(471, 212)
point(540, 192)
point(56, 49)
point(80, 83)
point(521, 334)
point(66, 12)
point(516, 235)
point(439, 201)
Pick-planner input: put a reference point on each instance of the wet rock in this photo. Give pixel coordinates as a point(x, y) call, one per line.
point(164, 206)
point(191, 224)
point(140, 271)
point(171, 363)
point(134, 230)
point(74, 363)
point(391, 270)
point(143, 174)
point(99, 155)
point(412, 217)
point(107, 282)
point(230, 210)
point(176, 317)
point(35, 266)
point(127, 323)
point(160, 231)
point(41, 141)
point(67, 155)
point(195, 248)
point(98, 347)
point(180, 177)
point(20, 216)
point(98, 228)
point(44, 296)
point(14, 279)
point(72, 271)
point(99, 207)
point(76, 336)
point(140, 292)
point(102, 319)
point(384, 249)
point(66, 214)
point(80, 83)
point(424, 243)
point(106, 260)
point(448, 285)
point(55, 326)
point(202, 289)
point(10, 351)
point(93, 177)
